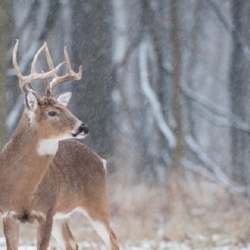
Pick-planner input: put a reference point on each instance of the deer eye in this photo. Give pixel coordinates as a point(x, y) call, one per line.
point(52, 113)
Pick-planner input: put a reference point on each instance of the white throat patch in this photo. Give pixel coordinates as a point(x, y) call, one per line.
point(49, 146)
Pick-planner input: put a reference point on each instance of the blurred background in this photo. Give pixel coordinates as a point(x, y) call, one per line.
point(165, 92)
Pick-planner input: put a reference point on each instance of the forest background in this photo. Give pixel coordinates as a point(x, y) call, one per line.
point(166, 94)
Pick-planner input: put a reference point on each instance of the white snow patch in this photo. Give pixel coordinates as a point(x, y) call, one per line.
point(2, 241)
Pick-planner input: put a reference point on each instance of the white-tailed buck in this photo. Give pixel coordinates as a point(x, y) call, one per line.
point(36, 187)
point(75, 181)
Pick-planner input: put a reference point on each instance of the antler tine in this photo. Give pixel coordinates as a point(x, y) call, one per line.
point(51, 67)
point(23, 80)
point(48, 89)
point(67, 61)
point(14, 59)
point(49, 60)
point(71, 75)
point(33, 65)
point(78, 75)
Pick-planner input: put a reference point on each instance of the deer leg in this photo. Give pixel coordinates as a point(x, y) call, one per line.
point(70, 242)
point(63, 234)
point(99, 218)
point(44, 231)
point(41, 227)
point(11, 231)
point(106, 233)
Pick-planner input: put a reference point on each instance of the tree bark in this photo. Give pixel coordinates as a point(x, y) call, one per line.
point(92, 48)
point(240, 91)
point(178, 151)
point(4, 27)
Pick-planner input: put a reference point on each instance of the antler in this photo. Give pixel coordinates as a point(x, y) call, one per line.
point(71, 75)
point(23, 80)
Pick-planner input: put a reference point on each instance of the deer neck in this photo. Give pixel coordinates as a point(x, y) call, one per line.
point(22, 167)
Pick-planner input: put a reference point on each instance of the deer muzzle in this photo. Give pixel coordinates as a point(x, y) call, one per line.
point(83, 130)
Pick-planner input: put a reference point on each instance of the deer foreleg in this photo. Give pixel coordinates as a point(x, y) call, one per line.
point(11, 230)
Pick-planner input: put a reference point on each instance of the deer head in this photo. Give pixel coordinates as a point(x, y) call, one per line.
point(48, 116)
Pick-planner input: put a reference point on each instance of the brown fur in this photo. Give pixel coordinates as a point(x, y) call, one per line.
point(26, 158)
point(22, 168)
point(76, 179)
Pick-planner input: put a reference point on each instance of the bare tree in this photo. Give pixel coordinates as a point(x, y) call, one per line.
point(239, 93)
point(4, 27)
point(165, 83)
point(91, 47)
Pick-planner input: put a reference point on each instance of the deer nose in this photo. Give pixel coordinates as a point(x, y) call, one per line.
point(83, 129)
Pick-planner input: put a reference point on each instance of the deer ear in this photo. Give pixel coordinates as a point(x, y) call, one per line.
point(31, 102)
point(64, 98)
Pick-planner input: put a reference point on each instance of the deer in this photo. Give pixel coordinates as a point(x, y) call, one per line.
point(26, 157)
point(76, 183)
point(76, 180)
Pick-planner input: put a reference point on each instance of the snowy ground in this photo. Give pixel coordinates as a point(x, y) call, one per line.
point(200, 241)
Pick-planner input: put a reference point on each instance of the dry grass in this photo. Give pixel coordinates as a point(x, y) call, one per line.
point(175, 212)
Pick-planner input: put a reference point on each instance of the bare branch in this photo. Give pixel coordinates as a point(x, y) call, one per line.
point(213, 166)
point(199, 170)
point(230, 27)
point(152, 97)
point(235, 121)
point(42, 29)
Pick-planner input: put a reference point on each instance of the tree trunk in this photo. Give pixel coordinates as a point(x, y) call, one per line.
point(240, 91)
point(178, 151)
point(92, 48)
point(4, 27)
